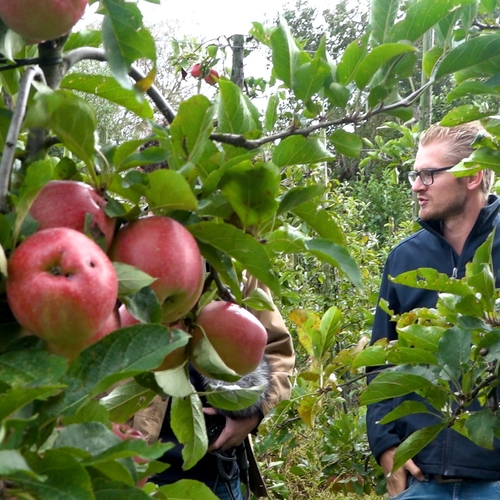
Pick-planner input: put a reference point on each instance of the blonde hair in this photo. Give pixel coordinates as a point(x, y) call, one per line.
point(459, 140)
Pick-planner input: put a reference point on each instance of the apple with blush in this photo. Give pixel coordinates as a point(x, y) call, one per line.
point(65, 204)
point(166, 250)
point(235, 333)
point(61, 286)
point(39, 20)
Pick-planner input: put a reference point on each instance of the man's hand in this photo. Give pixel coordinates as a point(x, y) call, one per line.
point(396, 481)
point(234, 432)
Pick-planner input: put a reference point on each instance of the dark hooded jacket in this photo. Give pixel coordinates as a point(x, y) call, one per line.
point(450, 453)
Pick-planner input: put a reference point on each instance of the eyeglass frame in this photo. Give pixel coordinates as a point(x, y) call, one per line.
point(432, 171)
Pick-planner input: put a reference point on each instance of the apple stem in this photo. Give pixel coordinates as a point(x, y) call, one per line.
point(9, 151)
point(224, 292)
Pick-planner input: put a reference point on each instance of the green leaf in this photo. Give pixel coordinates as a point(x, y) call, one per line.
point(188, 423)
point(480, 427)
point(464, 114)
point(169, 190)
point(224, 265)
point(351, 59)
point(382, 18)
point(191, 129)
point(346, 143)
point(391, 384)
point(31, 368)
point(404, 409)
point(411, 355)
point(430, 279)
point(175, 382)
point(286, 55)
point(309, 77)
point(471, 88)
point(337, 256)
point(375, 355)
point(259, 300)
point(188, 489)
point(236, 114)
point(252, 189)
point(131, 279)
point(422, 16)
point(134, 349)
point(422, 336)
point(144, 305)
point(70, 117)
point(15, 399)
point(62, 474)
point(12, 462)
point(454, 351)
point(107, 88)
point(320, 221)
point(207, 359)
point(117, 490)
point(297, 150)
point(232, 397)
point(125, 39)
point(126, 400)
point(329, 328)
point(468, 54)
point(240, 246)
point(271, 115)
point(416, 442)
point(376, 59)
point(95, 444)
point(298, 195)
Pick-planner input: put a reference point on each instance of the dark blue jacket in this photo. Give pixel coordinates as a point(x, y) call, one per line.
point(450, 453)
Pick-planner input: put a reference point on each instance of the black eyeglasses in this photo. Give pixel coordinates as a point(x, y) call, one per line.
point(426, 175)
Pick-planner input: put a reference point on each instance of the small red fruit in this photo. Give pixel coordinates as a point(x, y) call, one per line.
point(212, 77)
point(196, 71)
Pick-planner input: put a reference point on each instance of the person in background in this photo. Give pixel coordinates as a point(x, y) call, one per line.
point(230, 460)
point(456, 215)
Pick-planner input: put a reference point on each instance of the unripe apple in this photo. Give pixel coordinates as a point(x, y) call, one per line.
point(196, 71)
point(65, 203)
point(39, 20)
point(236, 334)
point(61, 286)
point(166, 250)
point(212, 77)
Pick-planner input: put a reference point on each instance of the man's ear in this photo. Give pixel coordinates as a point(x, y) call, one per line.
point(474, 181)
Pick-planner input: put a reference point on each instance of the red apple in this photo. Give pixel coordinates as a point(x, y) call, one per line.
point(166, 250)
point(39, 20)
point(65, 203)
point(212, 77)
point(61, 286)
point(196, 71)
point(236, 334)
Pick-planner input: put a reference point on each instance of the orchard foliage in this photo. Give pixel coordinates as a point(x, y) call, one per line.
point(227, 182)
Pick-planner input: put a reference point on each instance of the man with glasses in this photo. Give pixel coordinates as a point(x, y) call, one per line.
point(456, 215)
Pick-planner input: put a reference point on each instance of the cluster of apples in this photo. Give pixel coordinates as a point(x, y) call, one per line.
point(209, 75)
point(40, 20)
point(62, 286)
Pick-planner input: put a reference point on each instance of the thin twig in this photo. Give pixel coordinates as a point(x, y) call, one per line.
point(9, 151)
point(85, 53)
